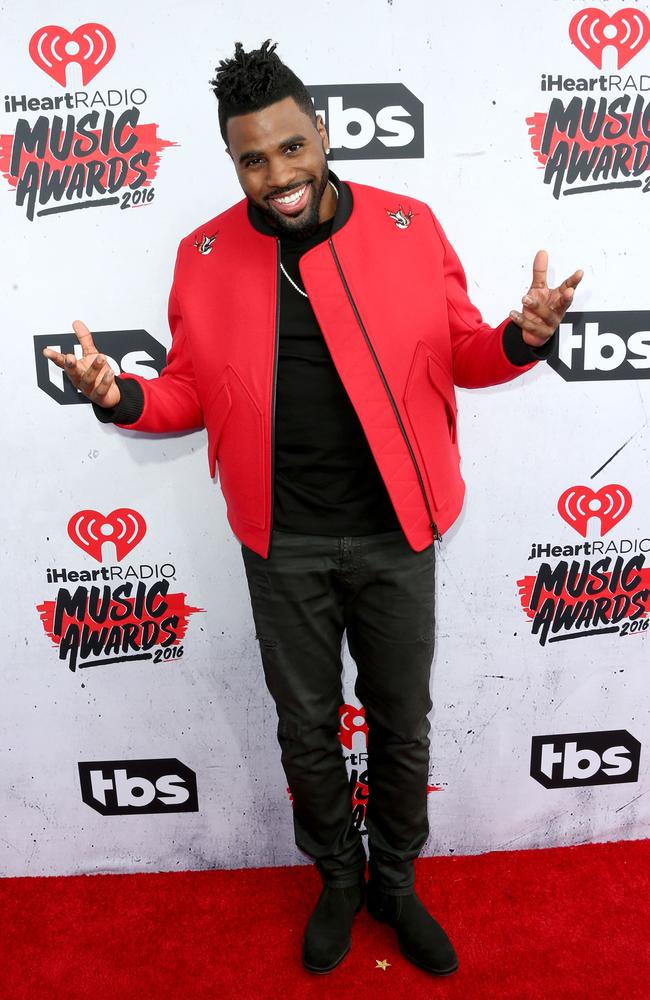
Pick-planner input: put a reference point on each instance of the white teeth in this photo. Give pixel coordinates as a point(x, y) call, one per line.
point(291, 199)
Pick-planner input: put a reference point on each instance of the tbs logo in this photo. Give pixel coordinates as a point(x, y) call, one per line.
point(133, 352)
point(371, 121)
point(603, 346)
point(126, 787)
point(569, 760)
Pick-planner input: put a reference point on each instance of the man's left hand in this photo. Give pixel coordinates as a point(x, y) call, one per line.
point(544, 307)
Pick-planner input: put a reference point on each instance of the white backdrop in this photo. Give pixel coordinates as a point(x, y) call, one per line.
point(476, 68)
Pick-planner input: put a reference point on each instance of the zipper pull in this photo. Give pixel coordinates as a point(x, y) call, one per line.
point(437, 537)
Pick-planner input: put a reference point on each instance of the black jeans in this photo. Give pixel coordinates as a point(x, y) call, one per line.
point(309, 591)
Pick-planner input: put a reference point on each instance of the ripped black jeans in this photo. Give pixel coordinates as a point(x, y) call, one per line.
point(309, 591)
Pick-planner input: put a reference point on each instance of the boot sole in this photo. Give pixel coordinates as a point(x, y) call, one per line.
point(378, 916)
point(323, 971)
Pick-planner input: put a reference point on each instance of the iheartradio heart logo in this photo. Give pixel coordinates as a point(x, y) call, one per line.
point(579, 503)
point(90, 45)
point(351, 720)
point(628, 30)
point(124, 527)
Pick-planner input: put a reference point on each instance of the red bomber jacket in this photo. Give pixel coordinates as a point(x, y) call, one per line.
point(390, 297)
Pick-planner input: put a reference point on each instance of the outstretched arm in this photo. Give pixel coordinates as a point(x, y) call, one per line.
point(159, 405)
point(483, 355)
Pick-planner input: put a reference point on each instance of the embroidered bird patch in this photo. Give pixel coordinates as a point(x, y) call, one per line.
point(204, 244)
point(401, 218)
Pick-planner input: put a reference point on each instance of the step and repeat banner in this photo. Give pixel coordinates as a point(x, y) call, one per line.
point(136, 730)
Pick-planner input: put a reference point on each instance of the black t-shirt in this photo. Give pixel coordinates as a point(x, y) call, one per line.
point(326, 479)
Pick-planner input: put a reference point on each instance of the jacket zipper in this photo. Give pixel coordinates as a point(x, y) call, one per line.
point(432, 524)
point(275, 381)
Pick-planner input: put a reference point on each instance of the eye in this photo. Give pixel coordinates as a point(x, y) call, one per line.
point(253, 161)
point(295, 146)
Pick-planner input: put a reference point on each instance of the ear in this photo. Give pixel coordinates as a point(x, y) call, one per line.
point(322, 131)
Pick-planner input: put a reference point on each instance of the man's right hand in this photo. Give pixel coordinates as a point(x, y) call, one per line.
point(91, 373)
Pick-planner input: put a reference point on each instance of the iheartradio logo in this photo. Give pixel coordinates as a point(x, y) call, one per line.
point(124, 527)
point(580, 503)
point(351, 720)
point(91, 46)
point(628, 31)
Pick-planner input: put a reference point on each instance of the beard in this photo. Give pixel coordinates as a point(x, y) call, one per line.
point(306, 224)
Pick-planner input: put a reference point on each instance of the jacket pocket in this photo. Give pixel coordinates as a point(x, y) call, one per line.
point(236, 443)
point(217, 414)
point(430, 405)
point(440, 380)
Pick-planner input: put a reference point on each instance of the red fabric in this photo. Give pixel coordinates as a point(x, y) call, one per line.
point(565, 923)
point(410, 294)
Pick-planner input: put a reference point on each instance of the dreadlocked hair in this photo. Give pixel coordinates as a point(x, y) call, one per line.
point(253, 80)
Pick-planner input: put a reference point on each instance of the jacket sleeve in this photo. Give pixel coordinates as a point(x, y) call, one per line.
point(481, 355)
point(128, 409)
point(171, 401)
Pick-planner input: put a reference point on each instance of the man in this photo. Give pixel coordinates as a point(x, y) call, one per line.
point(318, 329)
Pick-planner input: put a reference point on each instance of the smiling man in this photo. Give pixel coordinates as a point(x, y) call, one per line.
point(294, 211)
point(318, 330)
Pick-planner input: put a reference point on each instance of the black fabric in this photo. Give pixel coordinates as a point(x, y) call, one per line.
point(326, 478)
point(381, 593)
point(129, 408)
point(518, 352)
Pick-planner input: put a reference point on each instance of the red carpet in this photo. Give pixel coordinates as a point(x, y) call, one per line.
point(556, 924)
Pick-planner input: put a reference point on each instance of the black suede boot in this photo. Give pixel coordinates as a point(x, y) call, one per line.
point(421, 938)
point(328, 932)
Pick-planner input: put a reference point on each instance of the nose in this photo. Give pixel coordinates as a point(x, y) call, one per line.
point(279, 174)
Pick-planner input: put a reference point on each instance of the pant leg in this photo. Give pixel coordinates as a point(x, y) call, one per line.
point(297, 605)
point(389, 617)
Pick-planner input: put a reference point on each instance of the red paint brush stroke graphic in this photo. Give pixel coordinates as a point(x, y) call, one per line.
point(148, 140)
point(527, 584)
point(537, 123)
point(175, 606)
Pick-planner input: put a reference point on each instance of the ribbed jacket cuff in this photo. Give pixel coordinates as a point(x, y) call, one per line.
point(130, 407)
point(518, 352)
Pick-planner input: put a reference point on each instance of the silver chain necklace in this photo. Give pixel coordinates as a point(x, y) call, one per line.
point(292, 282)
point(288, 276)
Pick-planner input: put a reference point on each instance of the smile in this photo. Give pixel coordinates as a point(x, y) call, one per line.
point(292, 202)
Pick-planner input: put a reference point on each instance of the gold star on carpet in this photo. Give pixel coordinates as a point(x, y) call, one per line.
point(383, 964)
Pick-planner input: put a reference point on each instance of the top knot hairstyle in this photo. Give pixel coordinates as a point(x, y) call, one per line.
point(253, 80)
